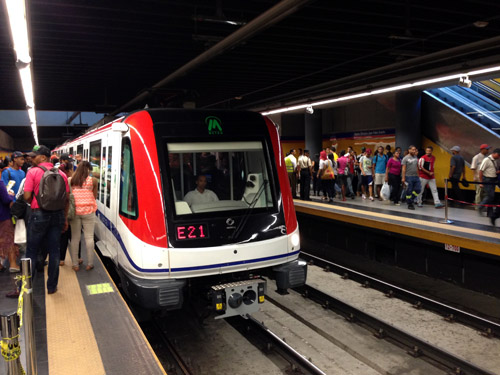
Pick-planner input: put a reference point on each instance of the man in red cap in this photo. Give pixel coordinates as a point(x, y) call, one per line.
point(476, 163)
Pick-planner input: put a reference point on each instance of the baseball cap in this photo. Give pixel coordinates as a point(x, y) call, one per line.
point(484, 146)
point(496, 151)
point(39, 150)
point(455, 148)
point(66, 157)
point(52, 157)
point(368, 150)
point(17, 154)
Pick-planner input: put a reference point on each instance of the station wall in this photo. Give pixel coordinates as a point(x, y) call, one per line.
point(6, 144)
point(366, 123)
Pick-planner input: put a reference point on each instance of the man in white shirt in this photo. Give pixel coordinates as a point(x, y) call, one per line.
point(476, 163)
point(200, 194)
point(305, 167)
point(488, 177)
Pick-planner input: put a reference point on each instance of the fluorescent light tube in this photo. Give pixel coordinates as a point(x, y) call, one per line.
point(16, 10)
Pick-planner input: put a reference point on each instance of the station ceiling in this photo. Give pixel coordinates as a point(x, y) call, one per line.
point(97, 55)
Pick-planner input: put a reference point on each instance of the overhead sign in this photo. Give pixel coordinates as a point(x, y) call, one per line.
point(214, 125)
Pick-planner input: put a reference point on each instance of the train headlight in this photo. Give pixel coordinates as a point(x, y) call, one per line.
point(235, 300)
point(295, 239)
point(249, 297)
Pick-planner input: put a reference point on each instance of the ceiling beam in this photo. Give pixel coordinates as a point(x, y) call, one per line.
point(280, 11)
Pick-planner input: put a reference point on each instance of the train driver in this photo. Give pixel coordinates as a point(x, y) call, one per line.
point(200, 194)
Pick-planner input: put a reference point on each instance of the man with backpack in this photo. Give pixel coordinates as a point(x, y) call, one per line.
point(47, 189)
point(14, 173)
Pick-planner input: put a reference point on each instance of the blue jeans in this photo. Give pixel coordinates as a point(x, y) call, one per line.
point(45, 227)
point(413, 188)
point(489, 191)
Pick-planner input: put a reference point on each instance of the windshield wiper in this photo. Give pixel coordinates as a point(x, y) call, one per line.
point(249, 210)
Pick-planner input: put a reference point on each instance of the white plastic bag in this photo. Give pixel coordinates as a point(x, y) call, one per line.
point(385, 192)
point(20, 232)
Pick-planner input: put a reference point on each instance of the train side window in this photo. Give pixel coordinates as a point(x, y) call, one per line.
point(95, 162)
point(108, 176)
point(128, 188)
point(79, 150)
point(102, 181)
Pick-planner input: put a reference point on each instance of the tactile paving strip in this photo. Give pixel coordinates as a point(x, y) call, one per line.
point(71, 344)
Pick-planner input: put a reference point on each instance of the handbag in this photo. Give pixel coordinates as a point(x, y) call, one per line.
point(18, 208)
point(328, 173)
point(20, 232)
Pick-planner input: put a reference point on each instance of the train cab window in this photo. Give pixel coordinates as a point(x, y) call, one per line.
point(95, 162)
point(219, 176)
point(128, 188)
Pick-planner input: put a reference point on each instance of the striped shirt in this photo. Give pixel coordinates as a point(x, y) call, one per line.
point(85, 202)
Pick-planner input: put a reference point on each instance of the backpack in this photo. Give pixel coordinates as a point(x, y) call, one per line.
point(52, 194)
point(328, 173)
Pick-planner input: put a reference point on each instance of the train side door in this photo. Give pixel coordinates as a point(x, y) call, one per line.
point(111, 192)
point(101, 172)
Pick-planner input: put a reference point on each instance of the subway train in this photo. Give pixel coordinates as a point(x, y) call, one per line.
point(169, 249)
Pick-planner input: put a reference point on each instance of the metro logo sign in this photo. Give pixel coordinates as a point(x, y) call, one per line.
point(214, 125)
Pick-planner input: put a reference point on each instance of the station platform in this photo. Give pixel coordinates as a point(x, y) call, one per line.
point(84, 328)
point(469, 229)
point(466, 252)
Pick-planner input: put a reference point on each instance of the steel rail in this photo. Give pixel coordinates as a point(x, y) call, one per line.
point(487, 327)
point(254, 330)
point(417, 347)
point(179, 362)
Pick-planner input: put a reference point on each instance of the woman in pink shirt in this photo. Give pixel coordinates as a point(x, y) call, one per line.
point(393, 176)
point(84, 189)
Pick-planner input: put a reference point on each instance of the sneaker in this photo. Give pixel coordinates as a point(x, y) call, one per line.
point(439, 205)
point(371, 198)
point(397, 204)
point(420, 205)
point(411, 206)
point(363, 196)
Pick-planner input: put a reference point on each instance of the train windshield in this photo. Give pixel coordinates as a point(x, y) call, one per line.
point(219, 176)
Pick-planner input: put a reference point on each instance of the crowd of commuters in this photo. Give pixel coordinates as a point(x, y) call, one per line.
point(35, 190)
point(347, 175)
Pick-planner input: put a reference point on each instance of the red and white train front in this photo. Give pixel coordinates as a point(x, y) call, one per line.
point(197, 204)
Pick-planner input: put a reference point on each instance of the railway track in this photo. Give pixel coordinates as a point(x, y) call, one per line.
point(487, 327)
point(262, 337)
point(250, 329)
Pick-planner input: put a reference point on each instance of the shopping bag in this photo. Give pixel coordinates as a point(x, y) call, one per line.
point(385, 192)
point(20, 232)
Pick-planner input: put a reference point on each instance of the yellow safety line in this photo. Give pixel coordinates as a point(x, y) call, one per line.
point(160, 366)
point(404, 227)
point(71, 344)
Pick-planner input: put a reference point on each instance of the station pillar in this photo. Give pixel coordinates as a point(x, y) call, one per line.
point(313, 132)
point(408, 125)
